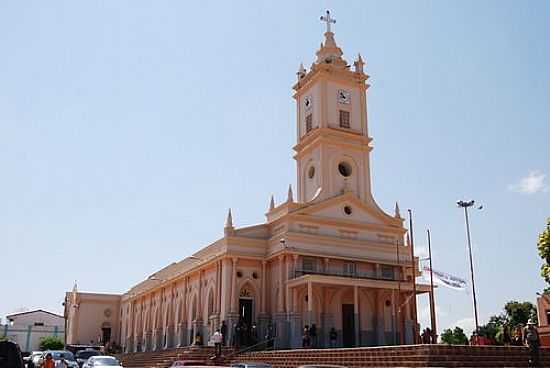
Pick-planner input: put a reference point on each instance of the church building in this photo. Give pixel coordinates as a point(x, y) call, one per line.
point(327, 256)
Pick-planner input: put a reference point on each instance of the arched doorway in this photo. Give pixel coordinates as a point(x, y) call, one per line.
point(246, 305)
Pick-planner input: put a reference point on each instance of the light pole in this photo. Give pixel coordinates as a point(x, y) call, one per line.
point(466, 205)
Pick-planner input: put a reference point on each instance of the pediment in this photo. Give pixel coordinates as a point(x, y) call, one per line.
point(349, 208)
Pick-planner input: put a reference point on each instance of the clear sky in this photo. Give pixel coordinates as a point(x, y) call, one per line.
point(127, 128)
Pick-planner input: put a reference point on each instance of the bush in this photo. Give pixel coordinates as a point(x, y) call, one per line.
point(51, 343)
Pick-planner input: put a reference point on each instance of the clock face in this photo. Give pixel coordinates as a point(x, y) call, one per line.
point(308, 102)
point(344, 97)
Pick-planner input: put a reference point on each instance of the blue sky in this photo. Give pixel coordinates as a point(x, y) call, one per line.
point(127, 128)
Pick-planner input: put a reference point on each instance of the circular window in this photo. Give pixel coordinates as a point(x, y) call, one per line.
point(311, 172)
point(239, 274)
point(347, 210)
point(344, 169)
point(388, 303)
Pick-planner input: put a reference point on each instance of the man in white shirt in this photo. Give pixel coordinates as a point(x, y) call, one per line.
point(217, 339)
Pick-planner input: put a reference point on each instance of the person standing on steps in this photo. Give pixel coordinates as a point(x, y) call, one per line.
point(223, 331)
point(217, 340)
point(532, 341)
point(333, 336)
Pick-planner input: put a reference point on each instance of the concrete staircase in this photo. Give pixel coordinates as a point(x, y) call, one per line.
point(164, 358)
point(391, 356)
point(401, 356)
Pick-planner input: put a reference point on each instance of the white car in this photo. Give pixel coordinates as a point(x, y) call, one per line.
point(102, 361)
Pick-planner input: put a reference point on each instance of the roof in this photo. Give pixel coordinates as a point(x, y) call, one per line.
point(33, 311)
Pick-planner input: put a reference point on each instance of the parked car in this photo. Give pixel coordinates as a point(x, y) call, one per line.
point(250, 365)
point(60, 356)
point(36, 359)
point(321, 366)
point(83, 355)
point(101, 361)
point(32, 359)
point(10, 355)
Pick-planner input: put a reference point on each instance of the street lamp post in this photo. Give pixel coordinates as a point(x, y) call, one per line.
point(466, 205)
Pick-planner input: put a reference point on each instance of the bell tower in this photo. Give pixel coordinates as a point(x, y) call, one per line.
point(332, 152)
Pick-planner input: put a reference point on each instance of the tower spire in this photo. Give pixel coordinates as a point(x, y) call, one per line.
point(329, 52)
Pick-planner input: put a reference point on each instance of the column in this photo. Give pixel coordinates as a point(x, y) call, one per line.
point(287, 290)
point(234, 305)
point(380, 333)
point(357, 320)
point(280, 300)
point(309, 302)
point(295, 322)
point(264, 287)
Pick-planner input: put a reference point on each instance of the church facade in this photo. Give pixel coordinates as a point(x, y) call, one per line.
point(328, 255)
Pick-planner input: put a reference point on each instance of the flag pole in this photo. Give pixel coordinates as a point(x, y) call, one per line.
point(415, 316)
point(399, 329)
point(432, 296)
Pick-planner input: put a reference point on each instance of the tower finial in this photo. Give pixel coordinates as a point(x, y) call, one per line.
point(271, 203)
point(329, 52)
point(290, 196)
point(328, 20)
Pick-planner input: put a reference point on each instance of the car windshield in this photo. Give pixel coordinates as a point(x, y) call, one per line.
point(85, 354)
point(67, 355)
point(105, 361)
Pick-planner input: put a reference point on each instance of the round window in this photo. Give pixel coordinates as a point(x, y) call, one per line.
point(347, 210)
point(388, 303)
point(311, 172)
point(344, 168)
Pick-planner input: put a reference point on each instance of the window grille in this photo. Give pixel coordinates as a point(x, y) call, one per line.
point(309, 123)
point(344, 119)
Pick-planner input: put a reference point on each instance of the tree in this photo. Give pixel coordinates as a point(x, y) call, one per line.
point(51, 343)
point(543, 245)
point(519, 313)
point(454, 337)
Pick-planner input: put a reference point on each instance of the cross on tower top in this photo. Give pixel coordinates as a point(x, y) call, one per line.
point(328, 20)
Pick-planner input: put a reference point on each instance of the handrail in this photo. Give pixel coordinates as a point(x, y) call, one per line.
point(248, 348)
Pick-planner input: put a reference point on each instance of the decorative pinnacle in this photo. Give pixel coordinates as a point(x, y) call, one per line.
point(359, 63)
point(397, 212)
point(272, 203)
point(290, 196)
point(301, 71)
point(229, 220)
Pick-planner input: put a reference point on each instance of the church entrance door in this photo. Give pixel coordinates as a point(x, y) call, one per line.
point(245, 311)
point(106, 334)
point(348, 325)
